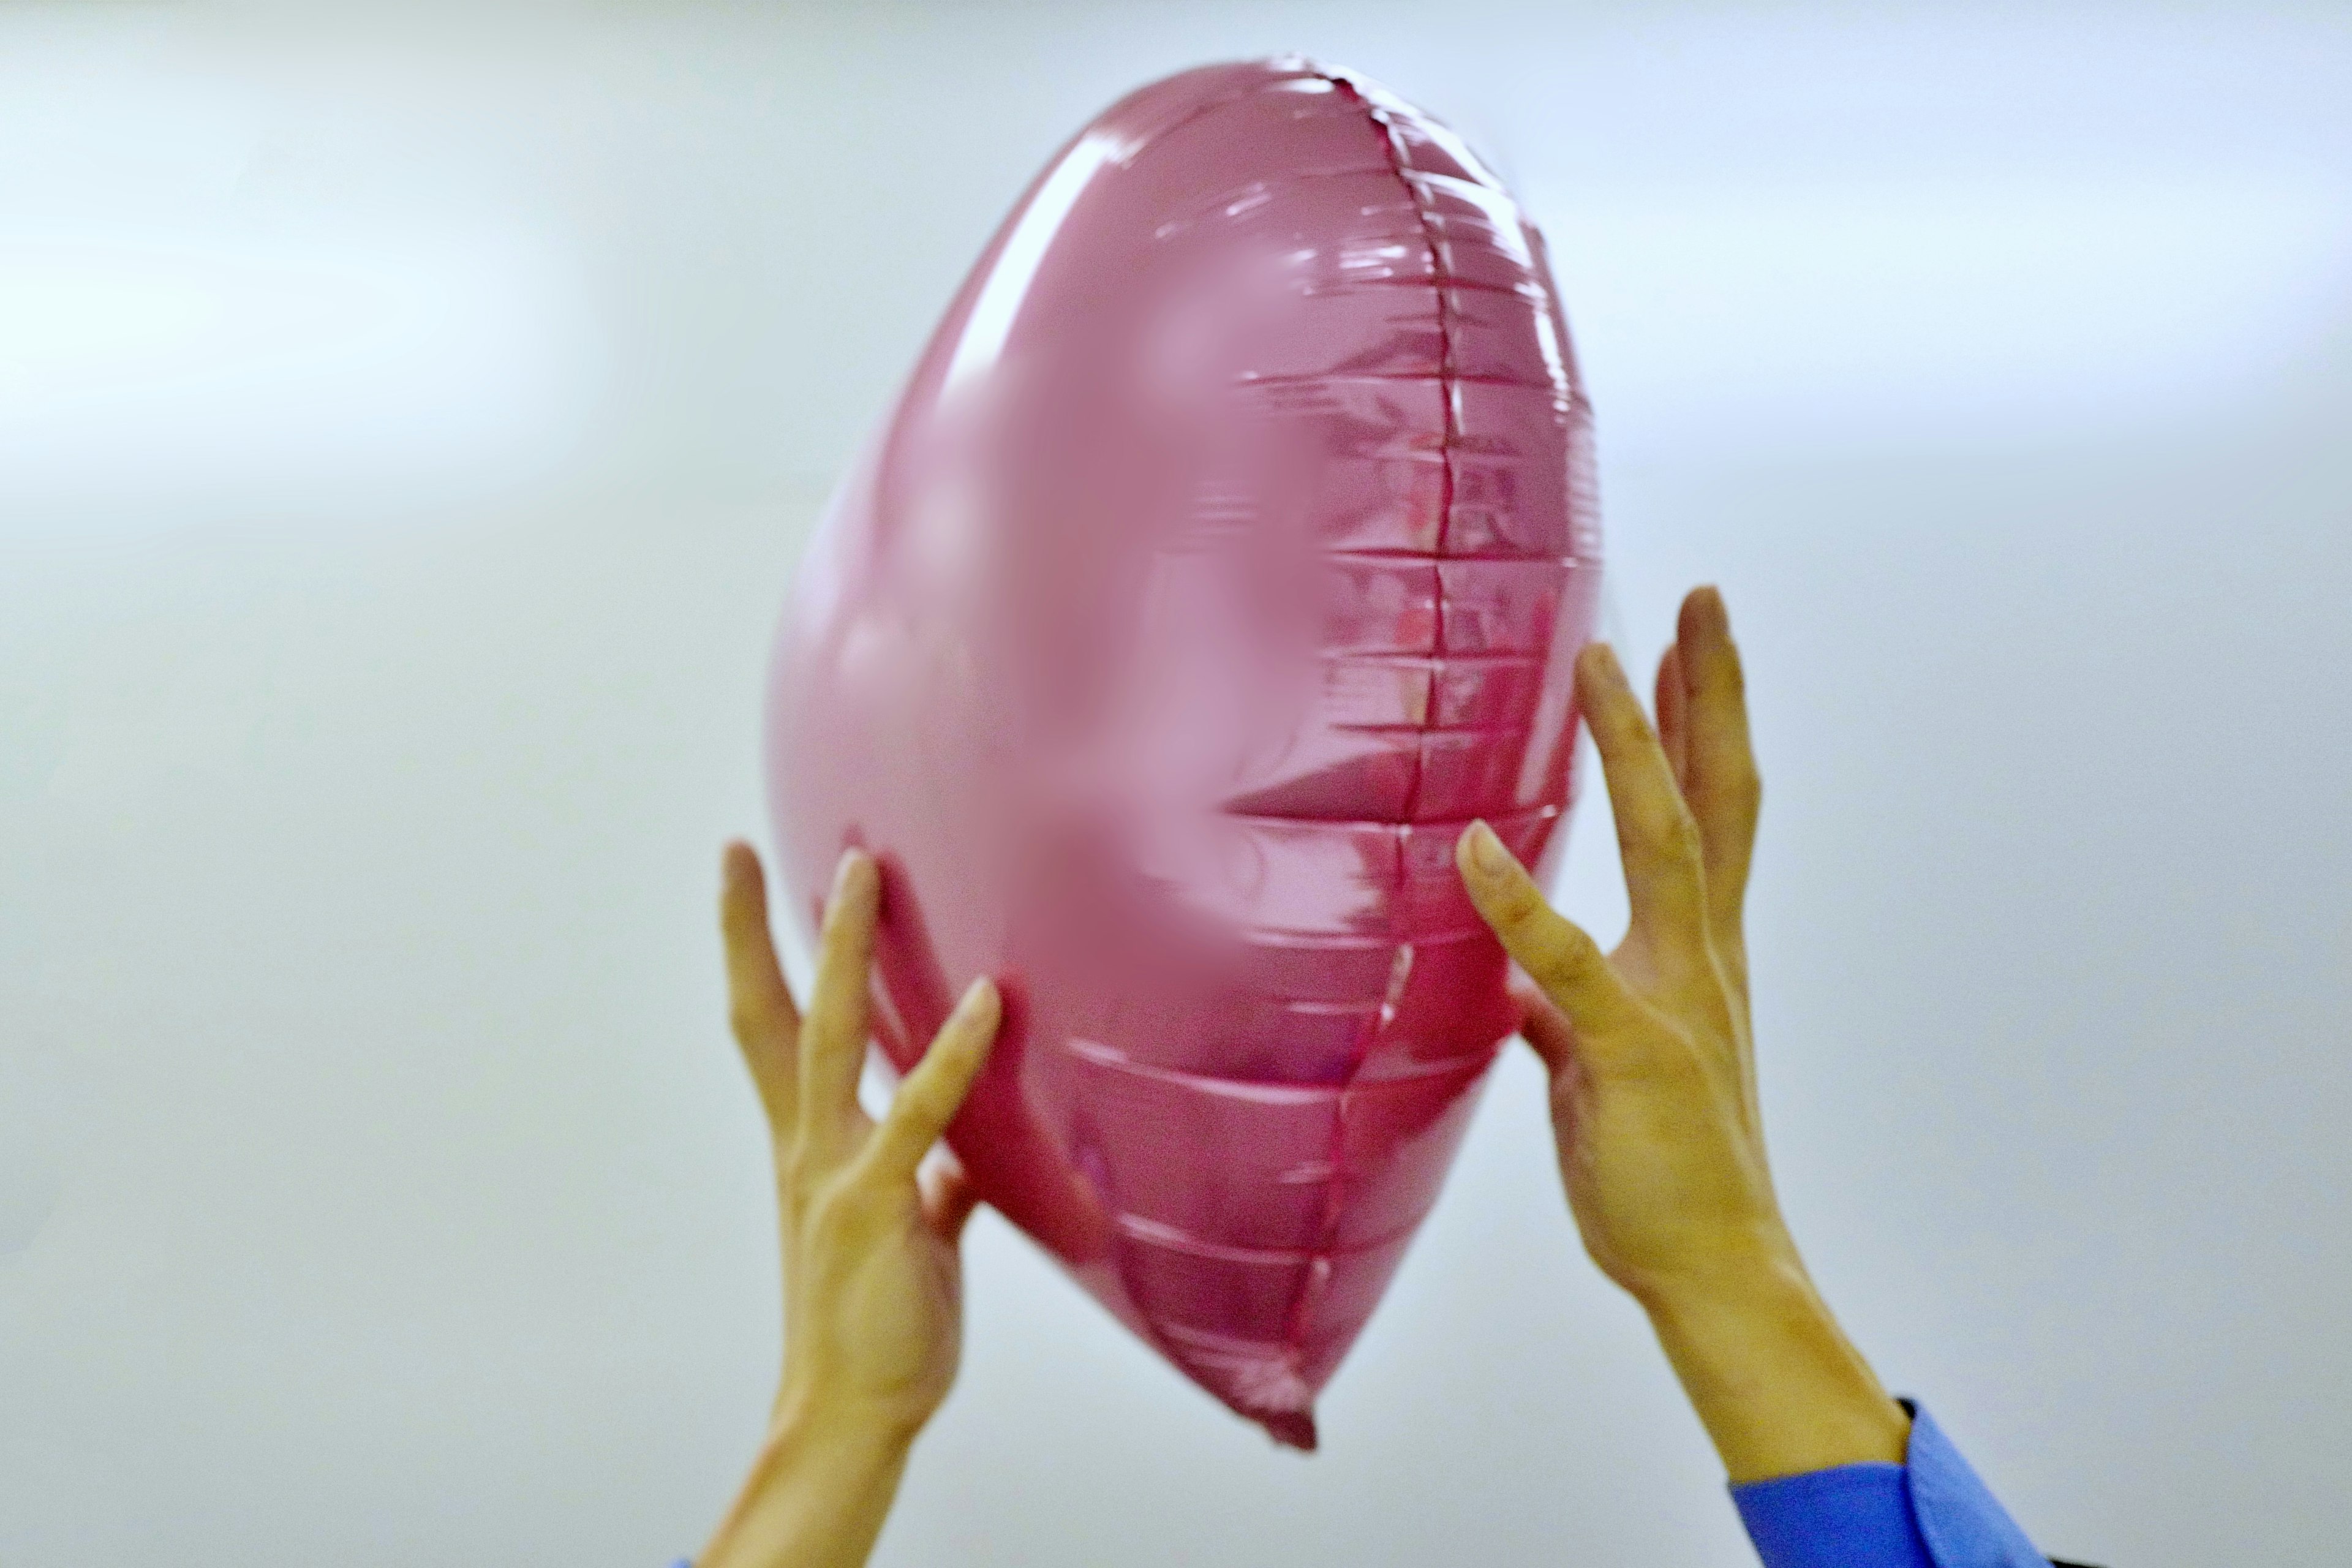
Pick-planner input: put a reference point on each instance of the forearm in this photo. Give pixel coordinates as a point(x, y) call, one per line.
point(1774, 1379)
point(816, 1496)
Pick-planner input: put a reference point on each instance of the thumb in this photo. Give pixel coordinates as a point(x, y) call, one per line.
point(949, 1198)
point(1555, 952)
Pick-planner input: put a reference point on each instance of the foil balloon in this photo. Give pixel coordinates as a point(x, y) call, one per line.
point(1226, 553)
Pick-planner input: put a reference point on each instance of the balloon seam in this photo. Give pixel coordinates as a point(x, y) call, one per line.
point(1315, 1280)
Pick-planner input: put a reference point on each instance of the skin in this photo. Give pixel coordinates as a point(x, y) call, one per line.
point(1653, 1065)
point(873, 1284)
point(1654, 1108)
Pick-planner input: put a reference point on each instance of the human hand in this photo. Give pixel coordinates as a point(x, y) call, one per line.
point(873, 1284)
point(1653, 1098)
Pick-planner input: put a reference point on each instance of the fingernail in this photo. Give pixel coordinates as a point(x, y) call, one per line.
point(1486, 851)
point(846, 872)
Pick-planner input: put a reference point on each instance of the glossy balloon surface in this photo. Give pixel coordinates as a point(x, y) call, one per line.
point(1228, 551)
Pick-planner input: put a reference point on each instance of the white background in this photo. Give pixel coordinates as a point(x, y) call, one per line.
point(407, 427)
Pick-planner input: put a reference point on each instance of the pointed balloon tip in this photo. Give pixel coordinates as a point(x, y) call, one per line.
point(1292, 1430)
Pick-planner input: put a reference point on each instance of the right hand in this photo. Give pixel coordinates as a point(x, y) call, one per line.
point(1654, 1101)
point(1654, 1079)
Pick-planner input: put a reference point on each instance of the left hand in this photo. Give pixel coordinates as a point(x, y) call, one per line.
point(873, 1284)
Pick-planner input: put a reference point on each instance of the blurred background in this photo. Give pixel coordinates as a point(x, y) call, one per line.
point(409, 419)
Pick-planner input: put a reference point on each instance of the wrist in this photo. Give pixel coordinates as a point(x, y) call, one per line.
point(1774, 1379)
point(818, 1492)
point(863, 1430)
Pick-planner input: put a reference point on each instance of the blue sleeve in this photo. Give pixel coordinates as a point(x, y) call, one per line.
point(1930, 1511)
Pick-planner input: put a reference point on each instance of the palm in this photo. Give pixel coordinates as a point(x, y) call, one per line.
point(898, 1317)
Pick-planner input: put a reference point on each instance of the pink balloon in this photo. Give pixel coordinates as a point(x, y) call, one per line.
point(1227, 552)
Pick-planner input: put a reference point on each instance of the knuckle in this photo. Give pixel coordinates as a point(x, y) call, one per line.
point(1679, 1060)
point(1562, 979)
point(1735, 782)
point(1520, 910)
point(918, 1107)
point(1678, 835)
point(941, 1098)
point(826, 1219)
point(837, 1206)
point(1747, 789)
point(804, 1177)
point(1565, 962)
point(1616, 725)
point(1662, 1059)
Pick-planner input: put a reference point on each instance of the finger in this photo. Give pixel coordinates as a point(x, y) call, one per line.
point(1725, 790)
point(760, 1005)
point(931, 1095)
point(833, 1038)
point(948, 1199)
point(1557, 955)
point(1673, 708)
point(1658, 838)
point(1545, 1028)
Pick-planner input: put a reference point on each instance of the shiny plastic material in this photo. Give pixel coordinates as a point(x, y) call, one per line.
point(1228, 550)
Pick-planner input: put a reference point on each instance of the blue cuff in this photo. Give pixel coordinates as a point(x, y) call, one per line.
point(1855, 1516)
point(1929, 1512)
point(1962, 1522)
